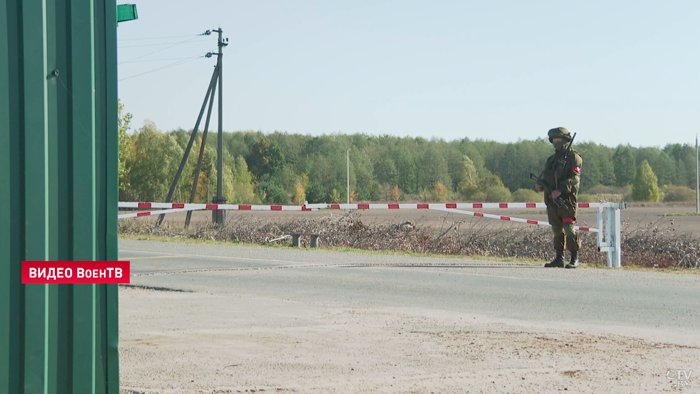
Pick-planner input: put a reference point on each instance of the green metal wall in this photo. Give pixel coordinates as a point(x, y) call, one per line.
point(58, 193)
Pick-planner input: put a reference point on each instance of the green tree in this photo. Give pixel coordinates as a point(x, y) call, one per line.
point(182, 137)
point(376, 192)
point(385, 170)
point(265, 158)
point(299, 195)
point(468, 177)
point(490, 181)
point(625, 166)
point(598, 167)
point(433, 168)
point(526, 195)
point(413, 164)
point(439, 193)
point(475, 152)
point(406, 167)
point(272, 194)
point(277, 195)
point(287, 178)
point(362, 169)
point(684, 157)
point(645, 187)
point(678, 193)
point(453, 158)
point(325, 162)
point(315, 193)
point(335, 196)
point(498, 194)
point(155, 161)
point(424, 195)
point(243, 191)
point(663, 165)
point(681, 173)
point(276, 159)
point(396, 193)
point(206, 184)
point(125, 147)
point(505, 161)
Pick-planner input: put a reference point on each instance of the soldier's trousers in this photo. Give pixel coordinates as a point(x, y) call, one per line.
point(563, 221)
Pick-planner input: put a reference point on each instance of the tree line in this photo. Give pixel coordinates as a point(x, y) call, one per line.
point(286, 168)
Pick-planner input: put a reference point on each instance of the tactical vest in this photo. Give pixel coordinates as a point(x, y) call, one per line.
point(571, 169)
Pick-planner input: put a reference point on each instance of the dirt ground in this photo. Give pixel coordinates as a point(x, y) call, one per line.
point(214, 344)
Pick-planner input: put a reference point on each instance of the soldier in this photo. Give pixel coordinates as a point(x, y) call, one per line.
point(564, 181)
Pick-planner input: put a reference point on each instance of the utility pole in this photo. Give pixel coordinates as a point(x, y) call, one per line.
point(202, 146)
point(183, 162)
point(219, 215)
point(347, 168)
point(697, 178)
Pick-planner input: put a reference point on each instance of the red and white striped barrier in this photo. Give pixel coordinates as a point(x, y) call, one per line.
point(508, 218)
point(139, 214)
point(311, 207)
point(178, 207)
point(459, 205)
point(194, 207)
point(445, 207)
point(608, 240)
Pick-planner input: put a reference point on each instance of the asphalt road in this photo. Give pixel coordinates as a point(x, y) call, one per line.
point(656, 306)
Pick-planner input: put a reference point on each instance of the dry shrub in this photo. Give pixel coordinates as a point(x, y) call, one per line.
point(678, 193)
point(645, 245)
point(656, 244)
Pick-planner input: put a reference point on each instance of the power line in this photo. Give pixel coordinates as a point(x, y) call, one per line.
point(160, 50)
point(161, 60)
point(163, 67)
point(162, 38)
point(155, 45)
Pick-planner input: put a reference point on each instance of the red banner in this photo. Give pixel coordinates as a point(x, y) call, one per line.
point(75, 272)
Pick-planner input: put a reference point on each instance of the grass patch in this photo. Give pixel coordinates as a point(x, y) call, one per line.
point(641, 268)
point(680, 214)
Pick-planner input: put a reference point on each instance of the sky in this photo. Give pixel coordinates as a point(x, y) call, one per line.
point(614, 72)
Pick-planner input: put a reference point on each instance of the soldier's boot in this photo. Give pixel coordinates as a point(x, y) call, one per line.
point(574, 260)
point(558, 262)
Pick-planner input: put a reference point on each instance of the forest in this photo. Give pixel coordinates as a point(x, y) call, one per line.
point(283, 168)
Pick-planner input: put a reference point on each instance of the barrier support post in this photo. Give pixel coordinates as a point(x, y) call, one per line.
point(608, 235)
point(617, 241)
point(601, 225)
point(611, 243)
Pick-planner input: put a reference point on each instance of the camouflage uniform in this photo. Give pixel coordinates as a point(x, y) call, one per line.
point(562, 219)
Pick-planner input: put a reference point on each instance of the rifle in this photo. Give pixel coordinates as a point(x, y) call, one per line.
point(562, 162)
point(557, 174)
point(548, 189)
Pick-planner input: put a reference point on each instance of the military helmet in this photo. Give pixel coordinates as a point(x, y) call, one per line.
point(559, 132)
